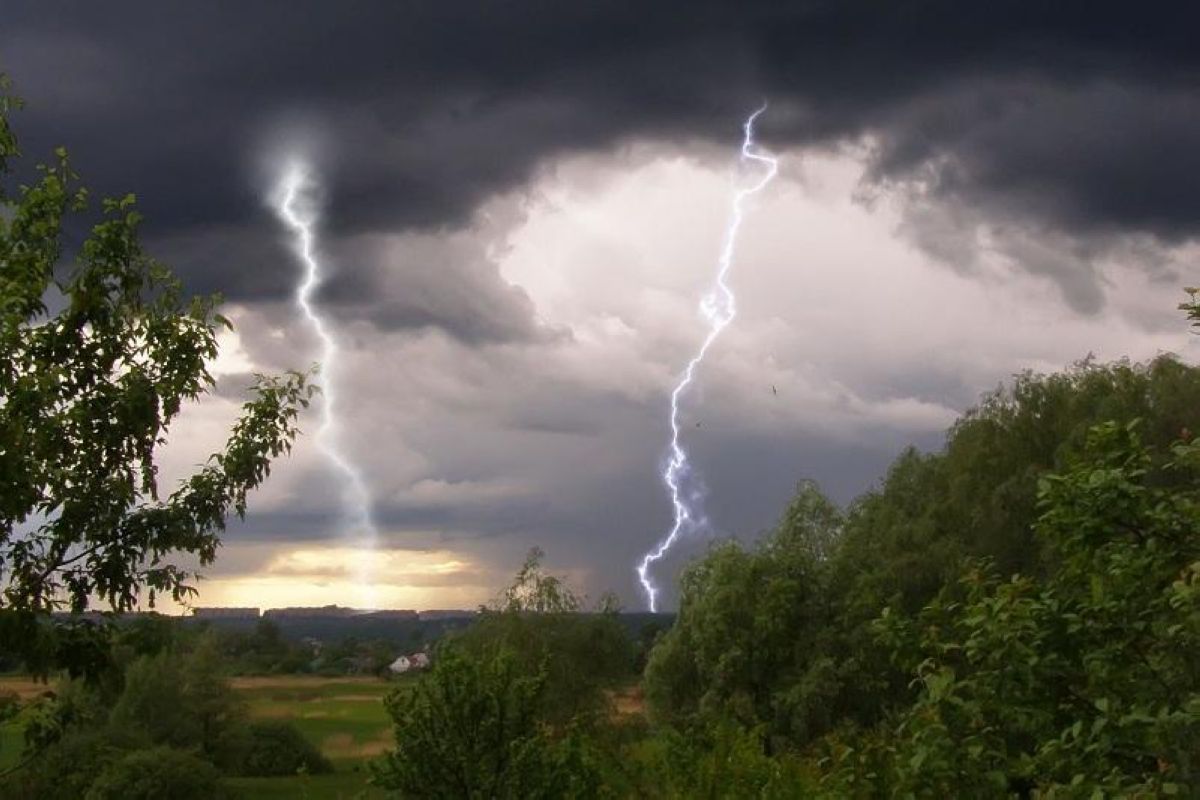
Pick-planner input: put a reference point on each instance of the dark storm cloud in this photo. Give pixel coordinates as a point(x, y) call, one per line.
point(1069, 117)
point(448, 283)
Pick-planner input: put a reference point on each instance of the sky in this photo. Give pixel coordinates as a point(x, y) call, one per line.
point(522, 204)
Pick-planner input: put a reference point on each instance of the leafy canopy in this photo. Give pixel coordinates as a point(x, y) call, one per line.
point(99, 353)
point(1081, 683)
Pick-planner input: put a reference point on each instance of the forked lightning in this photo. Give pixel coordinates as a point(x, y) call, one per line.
point(718, 309)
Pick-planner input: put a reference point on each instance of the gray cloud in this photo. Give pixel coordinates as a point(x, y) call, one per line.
point(416, 282)
point(493, 412)
point(1079, 118)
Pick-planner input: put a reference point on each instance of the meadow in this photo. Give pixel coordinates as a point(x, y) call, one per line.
point(343, 716)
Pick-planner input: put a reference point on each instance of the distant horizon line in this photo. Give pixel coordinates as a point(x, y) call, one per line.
point(332, 610)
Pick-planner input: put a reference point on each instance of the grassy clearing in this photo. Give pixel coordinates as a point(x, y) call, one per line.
point(338, 786)
point(344, 717)
point(11, 738)
point(11, 743)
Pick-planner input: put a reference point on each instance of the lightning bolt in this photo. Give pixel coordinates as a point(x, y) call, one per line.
point(295, 209)
point(718, 308)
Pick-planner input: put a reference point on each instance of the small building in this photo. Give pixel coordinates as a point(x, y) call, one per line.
point(400, 666)
point(419, 661)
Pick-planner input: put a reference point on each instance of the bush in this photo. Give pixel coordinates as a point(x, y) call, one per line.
point(1082, 683)
point(157, 773)
point(470, 728)
point(539, 622)
point(183, 702)
point(10, 703)
point(65, 769)
point(720, 761)
point(749, 630)
point(278, 748)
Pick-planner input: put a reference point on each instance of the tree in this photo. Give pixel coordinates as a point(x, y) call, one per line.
point(746, 643)
point(96, 362)
point(471, 728)
point(1192, 306)
point(184, 702)
point(274, 747)
point(1082, 683)
point(539, 620)
point(157, 773)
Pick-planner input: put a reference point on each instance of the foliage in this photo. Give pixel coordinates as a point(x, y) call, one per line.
point(534, 591)
point(978, 497)
point(75, 705)
point(65, 770)
point(538, 621)
point(278, 748)
point(157, 773)
point(745, 637)
point(721, 761)
point(1083, 683)
point(10, 704)
point(98, 361)
point(1192, 306)
point(183, 702)
point(471, 728)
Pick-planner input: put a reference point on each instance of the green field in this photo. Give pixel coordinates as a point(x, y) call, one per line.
point(344, 717)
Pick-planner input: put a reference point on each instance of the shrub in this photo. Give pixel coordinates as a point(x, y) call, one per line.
point(470, 728)
point(278, 748)
point(65, 769)
point(157, 773)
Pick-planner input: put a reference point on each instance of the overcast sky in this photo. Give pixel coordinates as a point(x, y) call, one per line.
point(523, 203)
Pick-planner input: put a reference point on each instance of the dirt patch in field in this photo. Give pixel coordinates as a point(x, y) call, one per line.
point(300, 681)
point(25, 688)
point(628, 702)
point(342, 745)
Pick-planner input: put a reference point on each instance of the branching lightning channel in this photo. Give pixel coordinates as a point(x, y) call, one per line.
point(718, 308)
point(295, 209)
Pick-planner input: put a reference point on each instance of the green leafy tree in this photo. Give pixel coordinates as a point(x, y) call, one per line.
point(724, 760)
point(65, 770)
point(1192, 306)
point(539, 620)
point(1082, 683)
point(96, 361)
point(472, 728)
point(978, 496)
point(745, 644)
point(906, 541)
point(273, 747)
point(184, 702)
point(158, 773)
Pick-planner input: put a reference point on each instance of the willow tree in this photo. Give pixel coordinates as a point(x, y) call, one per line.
point(100, 351)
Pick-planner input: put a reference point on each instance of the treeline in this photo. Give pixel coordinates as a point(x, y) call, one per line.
point(1017, 615)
